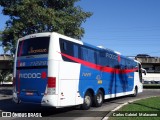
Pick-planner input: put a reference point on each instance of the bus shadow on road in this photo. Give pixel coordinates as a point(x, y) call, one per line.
point(8, 105)
point(116, 99)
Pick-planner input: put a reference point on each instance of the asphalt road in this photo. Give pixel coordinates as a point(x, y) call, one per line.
point(69, 113)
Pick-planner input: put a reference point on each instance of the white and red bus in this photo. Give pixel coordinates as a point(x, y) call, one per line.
point(55, 70)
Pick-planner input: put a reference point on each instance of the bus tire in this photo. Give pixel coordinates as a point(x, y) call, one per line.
point(98, 99)
point(135, 92)
point(87, 103)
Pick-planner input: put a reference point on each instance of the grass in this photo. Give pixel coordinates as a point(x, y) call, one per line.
point(149, 106)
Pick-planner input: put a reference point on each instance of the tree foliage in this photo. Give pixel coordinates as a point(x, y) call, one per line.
point(6, 76)
point(33, 16)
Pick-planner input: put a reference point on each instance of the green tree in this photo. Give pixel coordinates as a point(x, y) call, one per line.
point(33, 16)
point(5, 48)
point(6, 76)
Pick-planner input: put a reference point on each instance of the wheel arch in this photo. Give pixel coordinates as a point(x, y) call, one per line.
point(91, 91)
point(103, 91)
point(136, 87)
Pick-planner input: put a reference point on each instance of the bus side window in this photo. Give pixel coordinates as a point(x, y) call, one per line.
point(67, 48)
point(129, 65)
point(84, 53)
point(102, 54)
point(88, 55)
point(123, 64)
point(75, 49)
point(64, 46)
point(102, 59)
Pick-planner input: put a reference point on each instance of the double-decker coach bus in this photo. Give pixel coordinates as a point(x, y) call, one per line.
point(55, 70)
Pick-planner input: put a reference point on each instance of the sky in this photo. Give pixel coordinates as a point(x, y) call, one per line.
point(130, 27)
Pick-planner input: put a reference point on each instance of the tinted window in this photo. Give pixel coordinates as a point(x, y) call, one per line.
point(123, 63)
point(88, 54)
point(68, 48)
point(102, 59)
point(75, 47)
point(108, 59)
point(33, 46)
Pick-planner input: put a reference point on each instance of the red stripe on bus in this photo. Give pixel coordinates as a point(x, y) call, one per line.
point(99, 67)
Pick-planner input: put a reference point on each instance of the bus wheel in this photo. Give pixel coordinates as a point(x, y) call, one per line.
point(98, 99)
point(135, 92)
point(87, 101)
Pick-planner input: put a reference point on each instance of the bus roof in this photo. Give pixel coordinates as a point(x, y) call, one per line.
point(72, 40)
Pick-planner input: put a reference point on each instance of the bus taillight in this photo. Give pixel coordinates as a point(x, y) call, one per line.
point(51, 82)
point(51, 88)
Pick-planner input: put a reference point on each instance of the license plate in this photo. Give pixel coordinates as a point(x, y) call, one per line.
point(29, 93)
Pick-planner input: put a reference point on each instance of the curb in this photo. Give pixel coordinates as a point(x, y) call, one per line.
point(108, 115)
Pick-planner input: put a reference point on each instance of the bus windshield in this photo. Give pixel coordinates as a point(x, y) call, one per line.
point(33, 46)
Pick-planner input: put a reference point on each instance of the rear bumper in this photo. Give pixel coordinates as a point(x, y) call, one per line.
point(140, 88)
point(17, 98)
point(50, 100)
point(46, 100)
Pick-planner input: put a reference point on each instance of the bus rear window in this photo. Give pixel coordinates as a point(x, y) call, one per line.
point(33, 46)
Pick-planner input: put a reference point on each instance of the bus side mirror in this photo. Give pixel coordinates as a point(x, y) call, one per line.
point(144, 71)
